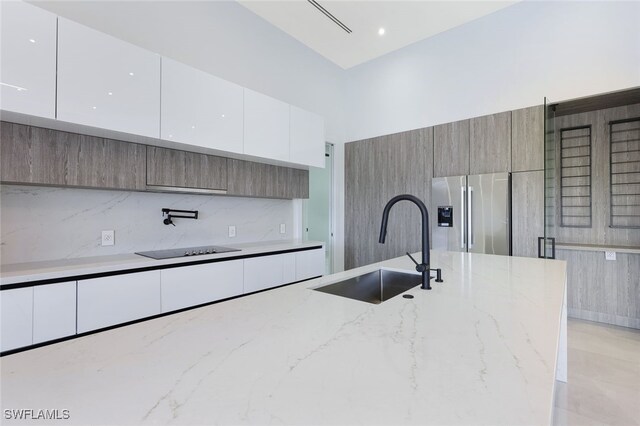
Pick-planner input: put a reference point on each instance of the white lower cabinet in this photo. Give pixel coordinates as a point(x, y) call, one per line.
point(107, 301)
point(310, 264)
point(16, 318)
point(54, 311)
point(268, 271)
point(193, 285)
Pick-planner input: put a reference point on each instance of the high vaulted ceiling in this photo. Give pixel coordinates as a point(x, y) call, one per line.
point(404, 22)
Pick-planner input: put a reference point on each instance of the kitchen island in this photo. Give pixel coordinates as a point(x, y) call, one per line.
point(484, 347)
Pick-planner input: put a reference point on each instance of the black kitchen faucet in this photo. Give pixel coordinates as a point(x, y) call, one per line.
point(423, 267)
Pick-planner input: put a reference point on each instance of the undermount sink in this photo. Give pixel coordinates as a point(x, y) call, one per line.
point(373, 287)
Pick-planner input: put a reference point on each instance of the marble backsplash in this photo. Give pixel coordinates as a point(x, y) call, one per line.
point(44, 223)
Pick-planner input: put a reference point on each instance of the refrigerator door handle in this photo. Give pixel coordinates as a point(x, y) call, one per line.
point(470, 216)
point(463, 196)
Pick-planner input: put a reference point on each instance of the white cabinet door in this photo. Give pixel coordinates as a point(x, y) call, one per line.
point(120, 298)
point(16, 318)
point(200, 109)
point(306, 138)
point(289, 274)
point(54, 311)
point(310, 264)
point(265, 272)
point(107, 83)
point(266, 126)
point(27, 59)
point(193, 285)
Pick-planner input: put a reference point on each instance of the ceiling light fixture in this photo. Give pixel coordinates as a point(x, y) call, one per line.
point(328, 14)
point(32, 40)
point(381, 31)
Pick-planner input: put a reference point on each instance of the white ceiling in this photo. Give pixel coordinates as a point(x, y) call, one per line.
point(405, 22)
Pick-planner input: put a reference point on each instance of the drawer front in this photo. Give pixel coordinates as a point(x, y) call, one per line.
point(194, 285)
point(107, 301)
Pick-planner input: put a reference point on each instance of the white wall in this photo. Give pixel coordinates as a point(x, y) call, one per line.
point(39, 223)
point(503, 61)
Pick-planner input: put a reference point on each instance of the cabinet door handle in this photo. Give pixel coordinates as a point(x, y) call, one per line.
point(463, 201)
point(470, 216)
point(542, 252)
point(540, 239)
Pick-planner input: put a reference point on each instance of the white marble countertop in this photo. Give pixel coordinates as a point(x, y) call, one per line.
point(54, 269)
point(480, 348)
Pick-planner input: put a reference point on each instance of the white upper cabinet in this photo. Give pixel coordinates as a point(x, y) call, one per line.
point(266, 126)
point(27, 59)
point(306, 138)
point(107, 83)
point(200, 109)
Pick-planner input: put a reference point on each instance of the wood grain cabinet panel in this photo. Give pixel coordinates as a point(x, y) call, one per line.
point(375, 171)
point(250, 179)
point(451, 149)
point(171, 167)
point(603, 290)
point(527, 212)
point(527, 139)
point(32, 155)
point(490, 144)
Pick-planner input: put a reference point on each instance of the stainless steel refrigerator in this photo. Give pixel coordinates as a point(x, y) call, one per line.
point(472, 213)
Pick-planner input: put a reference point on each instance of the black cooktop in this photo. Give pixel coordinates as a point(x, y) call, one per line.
point(187, 251)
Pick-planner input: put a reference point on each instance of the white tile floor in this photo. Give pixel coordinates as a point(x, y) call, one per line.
point(604, 376)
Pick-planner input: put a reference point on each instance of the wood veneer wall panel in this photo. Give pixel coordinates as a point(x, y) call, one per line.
point(376, 170)
point(600, 231)
point(603, 290)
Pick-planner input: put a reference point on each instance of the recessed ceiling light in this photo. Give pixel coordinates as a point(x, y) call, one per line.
point(381, 31)
point(95, 107)
point(131, 74)
point(222, 116)
point(32, 40)
point(110, 93)
point(193, 127)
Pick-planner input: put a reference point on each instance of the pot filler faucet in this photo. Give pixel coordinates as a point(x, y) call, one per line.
point(423, 267)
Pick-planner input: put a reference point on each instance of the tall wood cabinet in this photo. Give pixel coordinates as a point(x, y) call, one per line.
point(375, 171)
point(527, 212)
point(451, 149)
point(490, 144)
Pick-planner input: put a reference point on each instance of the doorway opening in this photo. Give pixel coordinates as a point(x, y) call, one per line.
point(317, 211)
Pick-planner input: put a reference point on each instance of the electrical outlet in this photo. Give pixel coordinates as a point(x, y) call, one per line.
point(232, 231)
point(108, 238)
point(283, 228)
point(610, 255)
